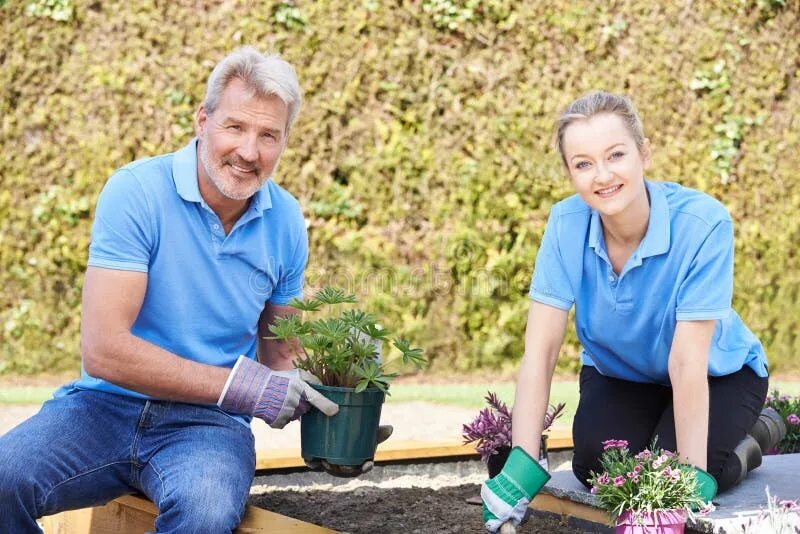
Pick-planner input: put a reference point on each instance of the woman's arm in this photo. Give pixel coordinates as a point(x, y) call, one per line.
point(543, 337)
point(688, 372)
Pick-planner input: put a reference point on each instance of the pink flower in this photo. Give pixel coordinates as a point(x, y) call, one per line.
point(785, 398)
point(614, 444)
point(637, 469)
point(593, 490)
point(791, 505)
point(644, 455)
point(793, 419)
point(661, 460)
point(603, 479)
point(674, 474)
point(620, 480)
point(635, 479)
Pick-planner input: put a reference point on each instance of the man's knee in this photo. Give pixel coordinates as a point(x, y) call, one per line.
point(204, 507)
point(18, 487)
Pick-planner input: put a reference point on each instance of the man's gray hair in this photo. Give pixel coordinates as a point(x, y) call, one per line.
point(595, 103)
point(266, 75)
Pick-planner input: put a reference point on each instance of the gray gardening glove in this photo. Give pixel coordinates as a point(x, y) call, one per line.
point(277, 397)
point(348, 471)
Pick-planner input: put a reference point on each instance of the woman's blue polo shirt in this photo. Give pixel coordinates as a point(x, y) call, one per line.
point(681, 271)
point(205, 290)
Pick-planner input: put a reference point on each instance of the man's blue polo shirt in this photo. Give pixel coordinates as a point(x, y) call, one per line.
point(205, 290)
point(681, 271)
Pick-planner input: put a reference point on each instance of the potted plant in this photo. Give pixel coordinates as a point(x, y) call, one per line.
point(650, 492)
point(491, 429)
point(789, 409)
point(343, 350)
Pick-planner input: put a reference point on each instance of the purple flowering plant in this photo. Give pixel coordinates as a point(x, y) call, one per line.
point(649, 481)
point(789, 408)
point(491, 428)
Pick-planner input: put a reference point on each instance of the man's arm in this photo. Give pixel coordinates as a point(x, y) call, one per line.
point(111, 302)
point(688, 372)
point(274, 353)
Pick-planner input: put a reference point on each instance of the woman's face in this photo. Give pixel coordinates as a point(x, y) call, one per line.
point(605, 165)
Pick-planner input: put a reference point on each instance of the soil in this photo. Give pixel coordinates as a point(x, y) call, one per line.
point(394, 510)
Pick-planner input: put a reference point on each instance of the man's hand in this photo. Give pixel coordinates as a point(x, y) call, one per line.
point(506, 496)
point(349, 471)
point(277, 397)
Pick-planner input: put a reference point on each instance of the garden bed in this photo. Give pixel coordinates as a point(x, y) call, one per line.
point(371, 509)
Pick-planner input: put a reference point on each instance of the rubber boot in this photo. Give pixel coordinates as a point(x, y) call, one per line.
point(749, 454)
point(768, 430)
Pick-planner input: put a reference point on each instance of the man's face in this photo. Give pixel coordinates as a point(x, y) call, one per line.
point(241, 141)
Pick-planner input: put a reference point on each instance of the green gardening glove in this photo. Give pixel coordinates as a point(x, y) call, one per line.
point(706, 485)
point(506, 496)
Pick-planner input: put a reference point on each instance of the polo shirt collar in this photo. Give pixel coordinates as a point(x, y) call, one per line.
point(184, 173)
point(656, 239)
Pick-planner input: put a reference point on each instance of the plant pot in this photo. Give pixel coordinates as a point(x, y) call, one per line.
point(347, 438)
point(658, 522)
point(496, 461)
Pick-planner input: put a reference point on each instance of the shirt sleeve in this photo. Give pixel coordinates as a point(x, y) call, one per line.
point(122, 234)
point(290, 285)
point(707, 290)
point(550, 284)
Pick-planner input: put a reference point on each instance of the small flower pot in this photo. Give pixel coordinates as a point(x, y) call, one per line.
point(658, 522)
point(496, 461)
point(347, 438)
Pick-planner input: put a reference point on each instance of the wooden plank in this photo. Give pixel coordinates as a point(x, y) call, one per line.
point(548, 503)
point(132, 514)
point(399, 451)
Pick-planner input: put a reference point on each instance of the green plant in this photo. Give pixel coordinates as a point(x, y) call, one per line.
point(652, 480)
point(344, 350)
point(290, 16)
point(789, 408)
point(59, 10)
point(780, 517)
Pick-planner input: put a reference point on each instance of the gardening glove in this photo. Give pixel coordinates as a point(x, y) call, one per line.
point(349, 471)
point(506, 496)
point(706, 487)
point(277, 397)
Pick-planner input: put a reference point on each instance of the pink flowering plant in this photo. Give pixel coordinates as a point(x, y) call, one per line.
point(789, 408)
point(649, 481)
point(491, 428)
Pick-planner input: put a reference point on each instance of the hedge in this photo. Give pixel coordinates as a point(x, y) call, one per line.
point(423, 155)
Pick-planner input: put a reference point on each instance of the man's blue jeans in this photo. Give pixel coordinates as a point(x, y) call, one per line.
point(89, 447)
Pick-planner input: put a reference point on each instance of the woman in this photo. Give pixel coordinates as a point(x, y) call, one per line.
point(649, 268)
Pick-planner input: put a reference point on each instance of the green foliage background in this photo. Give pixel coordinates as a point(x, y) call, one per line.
point(422, 156)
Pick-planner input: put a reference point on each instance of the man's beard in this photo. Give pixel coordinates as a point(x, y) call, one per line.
point(228, 189)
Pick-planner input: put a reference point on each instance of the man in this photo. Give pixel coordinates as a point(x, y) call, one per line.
point(193, 255)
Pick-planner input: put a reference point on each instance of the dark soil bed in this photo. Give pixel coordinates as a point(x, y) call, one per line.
point(396, 510)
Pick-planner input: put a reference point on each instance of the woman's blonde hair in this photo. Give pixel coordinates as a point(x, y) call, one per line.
point(596, 103)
